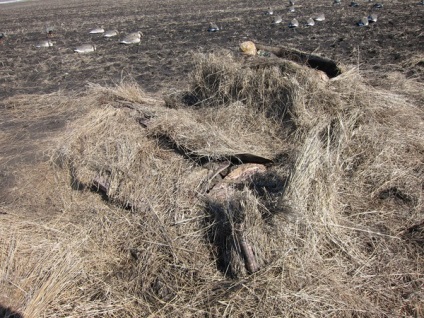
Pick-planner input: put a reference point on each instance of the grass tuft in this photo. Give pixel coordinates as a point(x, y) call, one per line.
point(331, 229)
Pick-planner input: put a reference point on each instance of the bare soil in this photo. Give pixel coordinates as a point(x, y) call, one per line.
point(174, 29)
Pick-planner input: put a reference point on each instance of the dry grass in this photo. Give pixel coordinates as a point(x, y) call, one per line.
point(334, 224)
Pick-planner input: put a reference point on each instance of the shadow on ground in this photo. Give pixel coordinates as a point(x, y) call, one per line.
point(8, 313)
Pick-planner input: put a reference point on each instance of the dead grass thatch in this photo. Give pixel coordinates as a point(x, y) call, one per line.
point(330, 229)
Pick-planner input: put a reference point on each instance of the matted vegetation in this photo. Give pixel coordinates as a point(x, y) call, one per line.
point(136, 225)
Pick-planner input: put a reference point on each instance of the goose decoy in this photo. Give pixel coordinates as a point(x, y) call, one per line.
point(97, 30)
point(50, 31)
point(378, 6)
point(291, 3)
point(2, 37)
point(269, 12)
point(292, 9)
point(44, 43)
point(293, 23)
point(110, 33)
point(310, 22)
point(132, 38)
point(337, 2)
point(354, 4)
point(85, 48)
point(277, 19)
point(363, 22)
point(319, 17)
point(422, 2)
point(372, 18)
point(213, 27)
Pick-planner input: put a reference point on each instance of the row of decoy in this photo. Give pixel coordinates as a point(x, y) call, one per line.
point(294, 23)
point(135, 37)
point(131, 38)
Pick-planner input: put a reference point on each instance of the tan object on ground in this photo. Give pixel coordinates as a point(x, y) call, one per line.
point(224, 190)
point(248, 48)
point(322, 75)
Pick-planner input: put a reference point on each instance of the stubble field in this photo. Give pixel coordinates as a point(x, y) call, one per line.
point(174, 29)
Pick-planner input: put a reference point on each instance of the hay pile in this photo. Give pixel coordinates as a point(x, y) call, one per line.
point(261, 191)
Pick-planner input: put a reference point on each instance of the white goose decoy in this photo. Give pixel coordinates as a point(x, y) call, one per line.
point(293, 23)
point(85, 48)
point(319, 17)
point(213, 27)
point(132, 38)
point(372, 18)
point(277, 19)
point(363, 22)
point(97, 30)
point(310, 22)
point(44, 43)
point(110, 33)
point(269, 12)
